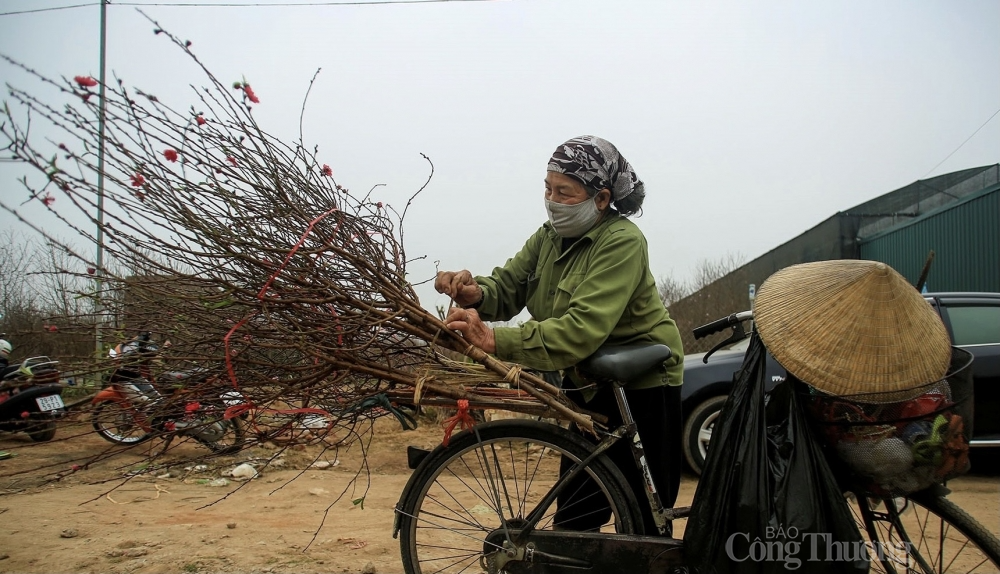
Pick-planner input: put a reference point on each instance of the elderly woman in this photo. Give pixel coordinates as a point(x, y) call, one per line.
point(584, 277)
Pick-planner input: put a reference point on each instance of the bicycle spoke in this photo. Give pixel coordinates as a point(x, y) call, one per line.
point(472, 526)
point(472, 557)
point(503, 482)
point(926, 536)
point(454, 499)
point(516, 484)
point(467, 485)
point(454, 530)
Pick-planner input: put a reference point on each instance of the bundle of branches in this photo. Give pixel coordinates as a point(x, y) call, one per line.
point(244, 253)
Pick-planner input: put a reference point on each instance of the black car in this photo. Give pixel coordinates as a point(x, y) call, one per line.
point(972, 320)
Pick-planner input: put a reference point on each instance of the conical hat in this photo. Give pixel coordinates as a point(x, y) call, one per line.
point(851, 326)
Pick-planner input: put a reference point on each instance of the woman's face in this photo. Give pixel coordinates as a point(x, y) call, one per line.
point(560, 188)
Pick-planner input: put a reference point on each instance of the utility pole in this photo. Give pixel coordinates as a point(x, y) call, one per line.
point(98, 308)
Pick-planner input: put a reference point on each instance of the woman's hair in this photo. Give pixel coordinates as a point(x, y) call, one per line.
point(631, 204)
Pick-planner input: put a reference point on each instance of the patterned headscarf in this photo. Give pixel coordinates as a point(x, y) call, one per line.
point(595, 162)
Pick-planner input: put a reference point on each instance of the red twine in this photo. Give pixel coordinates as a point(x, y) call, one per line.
point(263, 292)
point(462, 416)
point(240, 409)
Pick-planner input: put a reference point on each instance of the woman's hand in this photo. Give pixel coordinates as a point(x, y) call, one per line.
point(472, 327)
point(460, 286)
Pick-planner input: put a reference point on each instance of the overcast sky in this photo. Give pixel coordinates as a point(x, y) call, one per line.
point(749, 122)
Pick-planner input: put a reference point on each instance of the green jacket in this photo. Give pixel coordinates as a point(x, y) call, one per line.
point(600, 291)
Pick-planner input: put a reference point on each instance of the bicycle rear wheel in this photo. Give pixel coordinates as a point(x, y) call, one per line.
point(925, 533)
point(492, 477)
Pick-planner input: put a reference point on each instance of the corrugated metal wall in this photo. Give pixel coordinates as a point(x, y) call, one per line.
point(955, 214)
point(965, 238)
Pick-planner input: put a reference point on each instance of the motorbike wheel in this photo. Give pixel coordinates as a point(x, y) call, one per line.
point(230, 439)
point(116, 424)
point(42, 432)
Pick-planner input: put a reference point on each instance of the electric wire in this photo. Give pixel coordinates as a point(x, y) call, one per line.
point(290, 4)
point(961, 144)
point(237, 4)
point(52, 9)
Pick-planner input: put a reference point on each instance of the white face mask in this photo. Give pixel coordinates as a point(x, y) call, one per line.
point(573, 220)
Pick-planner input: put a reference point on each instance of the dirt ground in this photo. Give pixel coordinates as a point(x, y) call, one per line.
point(280, 522)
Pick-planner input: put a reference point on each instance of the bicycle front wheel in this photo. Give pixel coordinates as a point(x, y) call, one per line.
point(492, 477)
point(925, 533)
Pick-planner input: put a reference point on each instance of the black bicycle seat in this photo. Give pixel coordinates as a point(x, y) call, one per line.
point(624, 363)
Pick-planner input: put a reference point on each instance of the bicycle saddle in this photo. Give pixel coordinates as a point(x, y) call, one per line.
point(624, 363)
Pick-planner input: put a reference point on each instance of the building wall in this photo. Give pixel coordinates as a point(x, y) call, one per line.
point(954, 212)
point(965, 238)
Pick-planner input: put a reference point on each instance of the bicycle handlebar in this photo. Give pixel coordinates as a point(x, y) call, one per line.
point(721, 324)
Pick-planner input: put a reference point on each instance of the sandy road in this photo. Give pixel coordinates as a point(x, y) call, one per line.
point(276, 523)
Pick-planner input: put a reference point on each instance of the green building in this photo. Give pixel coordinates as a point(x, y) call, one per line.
point(956, 216)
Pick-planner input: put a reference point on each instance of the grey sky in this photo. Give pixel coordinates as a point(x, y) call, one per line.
point(749, 122)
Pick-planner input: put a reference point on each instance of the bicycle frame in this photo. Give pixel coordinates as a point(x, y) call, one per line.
point(661, 515)
point(640, 553)
point(583, 549)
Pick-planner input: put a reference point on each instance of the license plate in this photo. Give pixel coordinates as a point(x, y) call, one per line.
point(49, 402)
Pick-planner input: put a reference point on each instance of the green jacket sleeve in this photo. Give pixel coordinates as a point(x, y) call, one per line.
point(505, 290)
point(598, 298)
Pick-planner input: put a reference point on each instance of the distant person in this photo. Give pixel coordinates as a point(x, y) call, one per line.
point(584, 277)
point(5, 350)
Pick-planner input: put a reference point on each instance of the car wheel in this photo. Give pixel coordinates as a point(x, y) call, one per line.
point(698, 431)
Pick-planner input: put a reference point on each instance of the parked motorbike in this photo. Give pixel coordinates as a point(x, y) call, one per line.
point(30, 395)
point(135, 407)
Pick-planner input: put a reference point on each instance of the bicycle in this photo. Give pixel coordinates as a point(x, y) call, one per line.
point(487, 499)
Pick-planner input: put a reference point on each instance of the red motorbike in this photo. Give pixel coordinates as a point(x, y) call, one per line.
point(135, 407)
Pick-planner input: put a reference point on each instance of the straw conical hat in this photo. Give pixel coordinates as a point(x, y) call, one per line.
point(851, 326)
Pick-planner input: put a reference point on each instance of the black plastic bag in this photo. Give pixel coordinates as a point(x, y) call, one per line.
point(767, 500)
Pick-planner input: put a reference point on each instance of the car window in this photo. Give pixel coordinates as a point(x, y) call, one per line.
point(975, 325)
